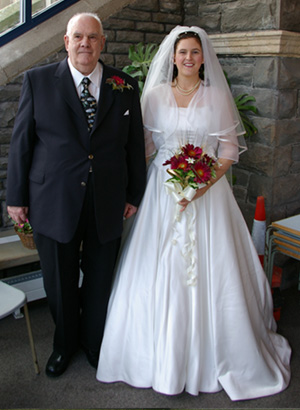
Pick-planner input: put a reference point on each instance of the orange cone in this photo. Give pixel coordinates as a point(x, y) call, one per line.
point(259, 228)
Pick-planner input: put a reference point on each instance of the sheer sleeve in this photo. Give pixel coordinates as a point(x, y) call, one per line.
point(149, 144)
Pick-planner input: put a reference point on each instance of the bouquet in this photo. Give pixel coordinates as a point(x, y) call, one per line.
point(191, 168)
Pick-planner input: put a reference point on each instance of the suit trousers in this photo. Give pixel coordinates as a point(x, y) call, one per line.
point(79, 313)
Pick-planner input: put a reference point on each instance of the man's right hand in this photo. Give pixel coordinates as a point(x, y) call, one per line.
point(18, 213)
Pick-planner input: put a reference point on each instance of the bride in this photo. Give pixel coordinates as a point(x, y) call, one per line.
point(191, 308)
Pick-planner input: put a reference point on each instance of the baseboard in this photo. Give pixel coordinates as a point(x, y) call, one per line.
point(31, 284)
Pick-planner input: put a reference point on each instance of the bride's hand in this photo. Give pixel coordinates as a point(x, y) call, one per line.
point(184, 202)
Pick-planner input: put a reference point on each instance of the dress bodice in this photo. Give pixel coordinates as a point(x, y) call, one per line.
point(188, 130)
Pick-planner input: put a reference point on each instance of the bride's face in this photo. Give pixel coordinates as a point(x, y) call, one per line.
point(188, 57)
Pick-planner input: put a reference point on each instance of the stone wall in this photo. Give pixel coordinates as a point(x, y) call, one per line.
point(271, 166)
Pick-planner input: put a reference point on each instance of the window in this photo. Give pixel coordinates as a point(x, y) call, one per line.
point(19, 16)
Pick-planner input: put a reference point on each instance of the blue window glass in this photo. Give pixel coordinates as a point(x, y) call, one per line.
point(19, 16)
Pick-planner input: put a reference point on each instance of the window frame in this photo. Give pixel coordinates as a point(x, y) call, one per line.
point(33, 21)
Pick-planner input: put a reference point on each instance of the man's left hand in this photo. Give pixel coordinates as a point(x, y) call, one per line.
point(129, 210)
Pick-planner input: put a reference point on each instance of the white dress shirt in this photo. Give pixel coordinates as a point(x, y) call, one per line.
point(95, 77)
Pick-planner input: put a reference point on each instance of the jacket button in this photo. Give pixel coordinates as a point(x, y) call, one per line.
point(91, 156)
point(83, 183)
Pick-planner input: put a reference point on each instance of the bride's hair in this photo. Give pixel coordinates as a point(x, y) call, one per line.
point(183, 36)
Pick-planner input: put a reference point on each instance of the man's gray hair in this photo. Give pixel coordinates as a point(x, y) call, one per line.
point(77, 15)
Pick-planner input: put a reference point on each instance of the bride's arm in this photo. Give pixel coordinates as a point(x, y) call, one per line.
point(225, 164)
point(150, 149)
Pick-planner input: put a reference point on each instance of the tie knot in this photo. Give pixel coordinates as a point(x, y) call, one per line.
point(86, 81)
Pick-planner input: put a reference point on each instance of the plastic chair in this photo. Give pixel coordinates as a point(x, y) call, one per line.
point(12, 299)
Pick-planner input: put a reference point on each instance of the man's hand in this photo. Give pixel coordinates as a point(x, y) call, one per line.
point(129, 210)
point(18, 213)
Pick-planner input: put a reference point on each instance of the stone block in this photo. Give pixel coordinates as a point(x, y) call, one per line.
point(260, 185)
point(277, 104)
point(295, 168)
point(4, 149)
point(266, 134)
point(237, 72)
point(284, 189)
point(10, 92)
point(5, 135)
point(8, 112)
point(118, 24)
point(150, 27)
point(154, 38)
point(110, 35)
point(191, 8)
point(118, 48)
point(289, 73)
point(289, 15)
point(282, 160)
point(265, 73)
point(259, 159)
point(107, 59)
point(249, 15)
point(241, 177)
point(122, 61)
point(172, 6)
point(240, 193)
point(129, 36)
point(132, 14)
point(292, 208)
point(3, 163)
point(287, 131)
point(149, 5)
point(167, 18)
point(296, 152)
point(211, 23)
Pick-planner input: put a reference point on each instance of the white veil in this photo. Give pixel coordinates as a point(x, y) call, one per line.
point(160, 112)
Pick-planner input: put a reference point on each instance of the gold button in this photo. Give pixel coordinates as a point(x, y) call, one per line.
point(91, 156)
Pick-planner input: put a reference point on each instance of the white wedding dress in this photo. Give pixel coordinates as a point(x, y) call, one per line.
point(191, 308)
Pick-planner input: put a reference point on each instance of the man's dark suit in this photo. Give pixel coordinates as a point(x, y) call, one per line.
point(52, 152)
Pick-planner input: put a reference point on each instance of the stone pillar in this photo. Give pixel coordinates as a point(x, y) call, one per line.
point(258, 44)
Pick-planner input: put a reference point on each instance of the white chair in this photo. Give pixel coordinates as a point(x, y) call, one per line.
point(11, 299)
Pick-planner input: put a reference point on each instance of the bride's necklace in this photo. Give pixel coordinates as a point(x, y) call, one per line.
point(186, 92)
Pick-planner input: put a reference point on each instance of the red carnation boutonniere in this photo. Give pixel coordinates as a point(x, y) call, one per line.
point(118, 83)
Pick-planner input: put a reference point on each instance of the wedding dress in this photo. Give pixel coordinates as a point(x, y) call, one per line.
point(191, 308)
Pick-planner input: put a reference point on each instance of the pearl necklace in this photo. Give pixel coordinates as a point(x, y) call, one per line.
point(186, 92)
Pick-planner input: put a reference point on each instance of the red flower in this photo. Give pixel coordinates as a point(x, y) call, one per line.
point(179, 163)
point(192, 152)
point(118, 83)
point(203, 172)
point(118, 80)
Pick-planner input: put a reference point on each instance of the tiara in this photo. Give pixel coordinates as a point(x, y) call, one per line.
point(188, 32)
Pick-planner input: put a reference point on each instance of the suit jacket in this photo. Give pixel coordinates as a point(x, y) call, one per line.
point(52, 150)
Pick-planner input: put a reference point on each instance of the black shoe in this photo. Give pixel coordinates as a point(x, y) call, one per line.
point(57, 364)
point(92, 357)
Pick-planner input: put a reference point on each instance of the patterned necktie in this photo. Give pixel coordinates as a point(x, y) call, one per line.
point(89, 102)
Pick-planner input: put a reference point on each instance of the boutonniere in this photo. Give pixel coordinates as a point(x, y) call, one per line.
point(118, 83)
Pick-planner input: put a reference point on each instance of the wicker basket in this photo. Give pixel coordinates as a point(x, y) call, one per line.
point(26, 239)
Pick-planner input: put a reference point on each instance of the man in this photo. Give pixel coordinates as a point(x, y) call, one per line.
point(76, 169)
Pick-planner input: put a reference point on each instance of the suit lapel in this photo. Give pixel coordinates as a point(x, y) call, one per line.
point(65, 83)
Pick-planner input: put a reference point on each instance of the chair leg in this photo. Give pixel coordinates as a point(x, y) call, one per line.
point(34, 356)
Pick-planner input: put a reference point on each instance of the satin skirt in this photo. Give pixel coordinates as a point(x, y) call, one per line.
point(191, 309)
